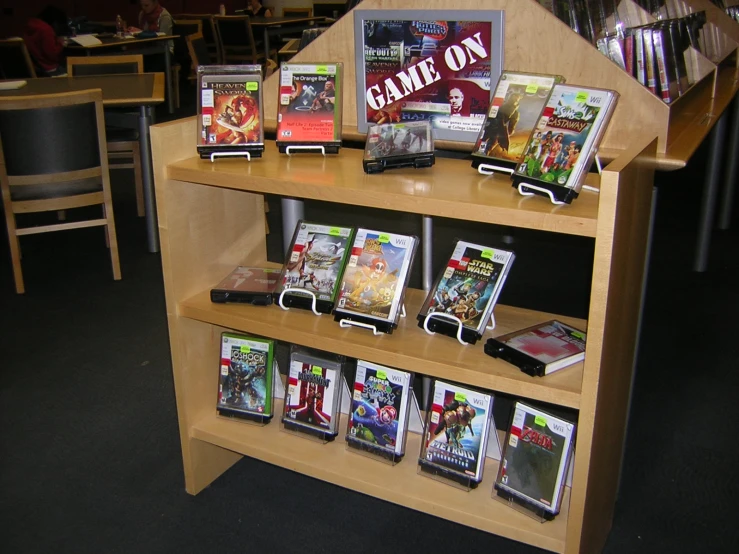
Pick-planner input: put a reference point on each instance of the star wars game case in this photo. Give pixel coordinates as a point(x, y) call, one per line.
point(397, 145)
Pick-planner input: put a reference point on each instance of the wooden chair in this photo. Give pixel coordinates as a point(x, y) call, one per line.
point(68, 168)
point(15, 61)
point(236, 39)
point(123, 144)
point(184, 28)
point(288, 12)
point(209, 32)
point(198, 53)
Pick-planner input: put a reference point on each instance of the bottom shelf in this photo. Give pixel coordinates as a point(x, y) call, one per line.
point(399, 484)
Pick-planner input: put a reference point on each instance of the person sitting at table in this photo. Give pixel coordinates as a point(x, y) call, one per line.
point(256, 9)
point(44, 44)
point(153, 17)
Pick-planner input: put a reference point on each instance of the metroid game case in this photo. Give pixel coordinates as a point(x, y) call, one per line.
point(467, 289)
point(540, 349)
point(396, 145)
point(309, 107)
point(378, 418)
point(314, 265)
point(245, 383)
point(456, 433)
point(537, 451)
point(313, 394)
point(512, 116)
point(563, 146)
point(247, 285)
point(375, 278)
point(230, 108)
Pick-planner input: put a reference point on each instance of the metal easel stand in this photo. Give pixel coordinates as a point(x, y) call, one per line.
point(243, 154)
point(296, 148)
point(346, 323)
point(489, 169)
point(302, 292)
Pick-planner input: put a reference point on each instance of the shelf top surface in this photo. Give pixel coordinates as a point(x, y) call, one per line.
point(452, 188)
point(408, 347)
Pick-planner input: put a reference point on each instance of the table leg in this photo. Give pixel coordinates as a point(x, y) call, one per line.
point(168, 76)
point(427, 245)
point(292, 211)
point(710, 190)
point(147, 176)
point(727, 199)
point(266, 45)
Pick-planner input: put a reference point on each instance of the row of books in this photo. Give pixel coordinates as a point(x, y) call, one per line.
point(381, 406)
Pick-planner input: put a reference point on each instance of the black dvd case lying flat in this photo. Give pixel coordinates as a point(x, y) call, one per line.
point(247, 285)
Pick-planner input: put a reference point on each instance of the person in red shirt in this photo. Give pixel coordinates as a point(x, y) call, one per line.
point(44, 43)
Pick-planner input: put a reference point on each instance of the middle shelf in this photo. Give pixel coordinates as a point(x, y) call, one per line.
point(408, 348)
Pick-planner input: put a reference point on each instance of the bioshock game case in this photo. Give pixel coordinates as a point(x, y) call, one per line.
point(230, 117)
point(396, 145)
point(466, 290)
point(247, 285)
point(245, 381)
point(378, 417)
point(309, 108)
point(535, 460)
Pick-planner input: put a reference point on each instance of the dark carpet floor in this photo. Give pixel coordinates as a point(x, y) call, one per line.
point(89, 447)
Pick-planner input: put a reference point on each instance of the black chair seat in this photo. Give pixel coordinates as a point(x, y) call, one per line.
point(118, 134)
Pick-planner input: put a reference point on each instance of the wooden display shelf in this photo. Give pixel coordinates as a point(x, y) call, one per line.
point(399, 484)
point(409, 347)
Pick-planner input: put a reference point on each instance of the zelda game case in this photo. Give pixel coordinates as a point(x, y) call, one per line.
point(230, 109)
point(378, 418)
point(396, 145)
point(456, 433)
point(512, 116)
point(559, 155)
point(309, 107)
point(313, 394)
point(247, 285)
point(245, 383)
point(467, 289)
point(540, 349)
point(537, 451)
point(375, 278)
point(314, 266)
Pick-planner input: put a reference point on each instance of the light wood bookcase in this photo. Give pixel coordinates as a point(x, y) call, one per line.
point(211, 218)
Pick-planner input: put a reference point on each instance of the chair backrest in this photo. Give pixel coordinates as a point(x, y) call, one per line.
point(198, 50)
point(104, 65)
point(309, 35)
point(15, 61)
point(184, 28)
point(207, 26)
point(269, 67)
point(307, 12)
point(235, 34)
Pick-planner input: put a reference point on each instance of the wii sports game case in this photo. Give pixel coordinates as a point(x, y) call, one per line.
point(313, 395)
point(396, 145)
point(314, 266)
point(230, 110)
point(456, 433)
point(245, 381)
point(309, 107)
point(535, 460)
point(540, 349)
point(373, 286)
point(247, 285)
point(561, 151)
point(467, 289)
point(378, 417)
point(512, 116)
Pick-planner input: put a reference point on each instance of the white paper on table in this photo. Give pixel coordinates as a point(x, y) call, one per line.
point(86, 40)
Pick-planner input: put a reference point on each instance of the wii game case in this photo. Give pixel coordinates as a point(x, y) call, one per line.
point(512, 116)
point(467, 289)
point(313, 395)
point(374, 282)
point(247, 285)
point(534, 465)
point(396, 145)
point(230, 110)
point(540, 349)
point(456, 433)
point(314, 266)
point(571, 128)
point(309, 108)
point(245, 381)
point(378, 417)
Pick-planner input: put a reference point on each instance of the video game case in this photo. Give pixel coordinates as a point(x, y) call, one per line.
point(230, 110)
point(245, 380)
point(629, 53)
point(378, 418)
point(314, 265)
point(678, 45)
point(313, 394)
point(456, 433)
point(310, 107)
point(397, 145)
point(640, 56)
point(467, 289)
point(540, 349)
point(650, 62)
point(571, 128)
point(665, 65)
point(511, 118)
point(376, 275)
point(247, 285)
point(535, 459)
